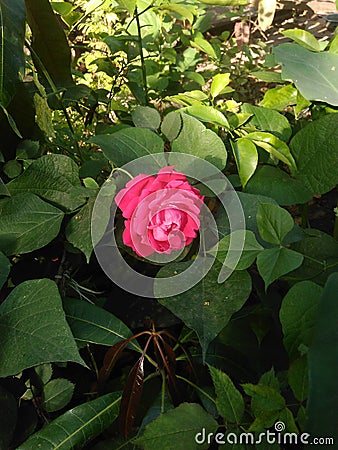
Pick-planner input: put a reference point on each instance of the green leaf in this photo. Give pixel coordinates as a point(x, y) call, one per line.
point(77, 426)
point(275, 262)
point(12, 168)
point(274, 182)
point(298, 315)
point(250, 204)
point(246, 157)
point(55, 178)
point(78, 230)
point(146, 117)
point(219, 82)
point(229, 401)
point(129, 5)
point(274, 146)
point(305, 39)
point(171, 125)
point(323, 363)
point(49, 43)
point(280, 97)
point(207, 114)
point(27, 223)
point(334, 45)
point(225, 2)
point(264, 398)
point(318, 170)
point(31, 318)
point(27, 149)
point(314, 74)
point(180, 9)
point(209, 305)
point(286, 416)
point(195, 139)
point(3, 188)
point(273, 223)
point(188, 98)
point(90, 323)
point(44, 372)
point(128, 144)
point(5, 267)
point(9, 417)
point(267, 119)
point(298, 377)
point(320, 251)
point(57, 394)
point(177, 429)
point(43, 116)
point(203, 45)
point(12, 38)
point(250, 250)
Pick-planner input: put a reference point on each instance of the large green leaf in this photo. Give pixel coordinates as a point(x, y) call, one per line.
point(54, 178)
point(89, 323)
point(33, 328)
point(49, 43)
point(246, 157)
point(78, 230)
point(250, 204)
point(267, 119)
point(275, 262)
point(195, 139)
point(207, 114)
point(298, 377)
point(209, 305)
point(178, 428)
point(323, 362)
point(146, 117)
point(320, 251)
point(280, 97)
point(315, 150)
point(27, 223)
point(77, 426)
point(249, 251)
point(128, 144)
point(273, 223)
point(273, 145)
point(314, 74)
point(12, 38)
point(5, 267)
point(274, 182)
point(229, 401)
point(298, 315)
point(305, 39)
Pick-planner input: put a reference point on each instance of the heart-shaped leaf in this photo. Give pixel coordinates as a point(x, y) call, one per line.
point(32, 318)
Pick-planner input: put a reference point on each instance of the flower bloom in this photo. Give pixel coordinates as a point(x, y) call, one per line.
point(161, 212)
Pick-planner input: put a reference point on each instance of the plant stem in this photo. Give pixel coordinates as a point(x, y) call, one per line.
point(197, 388)
point(143, 66)
point(57, 95)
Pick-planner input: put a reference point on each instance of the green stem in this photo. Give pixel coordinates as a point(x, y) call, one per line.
point(143, 66)
point(197, 388)
point(56, 93)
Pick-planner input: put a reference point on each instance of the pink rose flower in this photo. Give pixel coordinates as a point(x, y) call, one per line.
point(161, 212)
